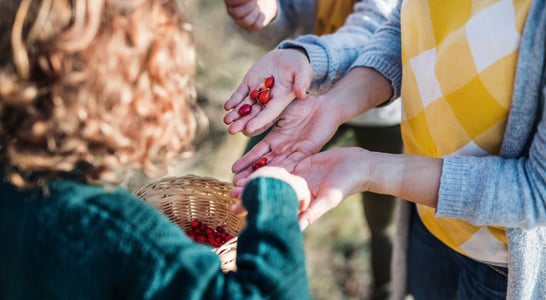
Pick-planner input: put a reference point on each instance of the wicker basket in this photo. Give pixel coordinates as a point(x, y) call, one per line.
point(183, 199)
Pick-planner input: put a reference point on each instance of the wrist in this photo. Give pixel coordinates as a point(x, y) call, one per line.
point(299, 50)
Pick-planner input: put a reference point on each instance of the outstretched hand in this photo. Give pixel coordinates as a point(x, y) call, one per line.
point(301, 130)
point(332, 176)
point(252, 15)
point(292, 73)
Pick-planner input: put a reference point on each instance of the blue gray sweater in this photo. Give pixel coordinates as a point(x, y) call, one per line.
point(74, 241)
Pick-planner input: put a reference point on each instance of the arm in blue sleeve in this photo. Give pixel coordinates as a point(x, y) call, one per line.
point(293, 18)
point(332, 55)
point(270, 254)
point(384, 53)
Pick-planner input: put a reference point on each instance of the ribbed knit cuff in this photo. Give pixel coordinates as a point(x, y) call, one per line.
point(388, 68)
point(317, 57)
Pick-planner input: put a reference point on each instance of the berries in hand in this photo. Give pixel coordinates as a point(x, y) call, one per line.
point(254, 94)
point(259, 163)
point(263, 93)
point(269, 82)
point(245, 109)
point(264, 97)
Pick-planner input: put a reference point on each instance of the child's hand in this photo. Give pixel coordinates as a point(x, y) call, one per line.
point(252, 15)
point(292, 74)
point(296, 182)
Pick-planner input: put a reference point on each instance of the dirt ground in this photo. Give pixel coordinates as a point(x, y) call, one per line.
point(337, 245)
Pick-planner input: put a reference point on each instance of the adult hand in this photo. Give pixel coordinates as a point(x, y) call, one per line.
point(301, 130)
point(293, 75)
point(252, 15)
point(332, 176)
point(296, 182)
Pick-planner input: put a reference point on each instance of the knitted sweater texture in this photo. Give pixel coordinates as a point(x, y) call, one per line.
point(75, 241)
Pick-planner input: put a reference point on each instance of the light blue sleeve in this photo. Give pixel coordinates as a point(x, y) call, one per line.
point(294, 18)
point(384, 53)
point(510, 189)
point(332, 55)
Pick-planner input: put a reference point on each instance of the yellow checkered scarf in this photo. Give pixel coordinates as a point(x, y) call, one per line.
point(459, 60)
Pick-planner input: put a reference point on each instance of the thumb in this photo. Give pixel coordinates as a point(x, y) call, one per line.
point(319, 206)
point(302, 82)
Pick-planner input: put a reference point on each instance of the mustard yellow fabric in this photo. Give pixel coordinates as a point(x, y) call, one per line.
point(331, 14)
point(459, 60)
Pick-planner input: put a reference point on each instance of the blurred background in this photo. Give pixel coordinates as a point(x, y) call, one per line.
point(337, 246)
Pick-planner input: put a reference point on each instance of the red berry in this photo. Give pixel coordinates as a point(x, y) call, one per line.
point(220, 229)
point(201, 238)
point(245, 109)
point(254, 94)
point(260, 163)
point(269, 82)
point(195, 223)
point(209, 231)
point(264, 97)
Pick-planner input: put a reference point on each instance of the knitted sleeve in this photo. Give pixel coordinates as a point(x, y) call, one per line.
point(508, 190)
point(293, 18)
point(270, 255)
point(332, 55)
point(384, 53)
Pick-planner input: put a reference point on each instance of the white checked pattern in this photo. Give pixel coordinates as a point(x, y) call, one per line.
point(490, 41)
point(459, 61)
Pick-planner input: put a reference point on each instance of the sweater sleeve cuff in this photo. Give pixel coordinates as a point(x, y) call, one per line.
point(269, 198)
point(454, 198)
point(391, 71)
point(317, 57)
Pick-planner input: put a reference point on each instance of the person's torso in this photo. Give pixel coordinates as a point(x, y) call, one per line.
point(459, 60)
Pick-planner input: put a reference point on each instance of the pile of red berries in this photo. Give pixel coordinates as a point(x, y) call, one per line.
point(262, 95)
point(204, 234)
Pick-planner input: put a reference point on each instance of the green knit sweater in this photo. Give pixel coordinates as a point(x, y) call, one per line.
point(75, 241)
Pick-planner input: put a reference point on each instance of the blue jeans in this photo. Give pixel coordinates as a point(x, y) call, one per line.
point(435, 271)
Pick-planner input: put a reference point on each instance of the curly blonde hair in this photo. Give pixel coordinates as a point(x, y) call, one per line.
point(92, 87)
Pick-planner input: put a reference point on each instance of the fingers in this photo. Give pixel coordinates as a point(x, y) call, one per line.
point(238, 209)
point(259, 150)
point(259, 119)
point(302, 82)
point(255, 21)
point(319, 206)
point(249, 15)
point(269, 113)
point(237, 97)
point(238, 122)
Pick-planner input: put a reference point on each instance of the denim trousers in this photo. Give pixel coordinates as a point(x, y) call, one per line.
point(435, 271)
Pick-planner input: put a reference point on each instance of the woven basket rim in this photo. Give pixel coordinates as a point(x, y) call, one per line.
point(188, 197)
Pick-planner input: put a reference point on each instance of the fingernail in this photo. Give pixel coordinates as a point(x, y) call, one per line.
point(303, 224)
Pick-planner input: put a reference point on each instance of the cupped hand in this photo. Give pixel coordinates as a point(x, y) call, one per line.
point(296, 182)
point(332, 176)
point(293, 75)
point(252, 15)
point(301, 130)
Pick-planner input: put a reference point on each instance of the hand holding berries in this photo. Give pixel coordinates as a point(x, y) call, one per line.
point(262, 95)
